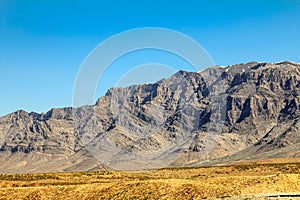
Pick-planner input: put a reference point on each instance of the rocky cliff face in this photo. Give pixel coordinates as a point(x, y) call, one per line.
point(222, 114)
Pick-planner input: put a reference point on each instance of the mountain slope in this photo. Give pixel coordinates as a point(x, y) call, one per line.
point(218, 116)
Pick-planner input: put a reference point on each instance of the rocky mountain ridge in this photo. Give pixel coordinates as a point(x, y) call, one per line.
point(220, 115)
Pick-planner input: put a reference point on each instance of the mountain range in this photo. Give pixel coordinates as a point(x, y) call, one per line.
point(219, 116)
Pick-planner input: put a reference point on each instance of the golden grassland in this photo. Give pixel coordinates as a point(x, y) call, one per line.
point(238, 182)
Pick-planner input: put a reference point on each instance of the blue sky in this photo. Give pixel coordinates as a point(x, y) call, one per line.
point(43, 43)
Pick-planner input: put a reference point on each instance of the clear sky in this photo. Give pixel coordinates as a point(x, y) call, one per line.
point(43, 43)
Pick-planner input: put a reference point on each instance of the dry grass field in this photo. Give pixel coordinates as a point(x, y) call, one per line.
point(255, 181)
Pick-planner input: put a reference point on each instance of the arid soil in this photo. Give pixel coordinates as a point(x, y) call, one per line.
point(255, 181)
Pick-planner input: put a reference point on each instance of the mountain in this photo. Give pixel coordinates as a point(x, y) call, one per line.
point(222, 115)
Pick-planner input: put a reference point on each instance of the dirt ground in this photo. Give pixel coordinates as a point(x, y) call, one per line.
point(245, 181)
